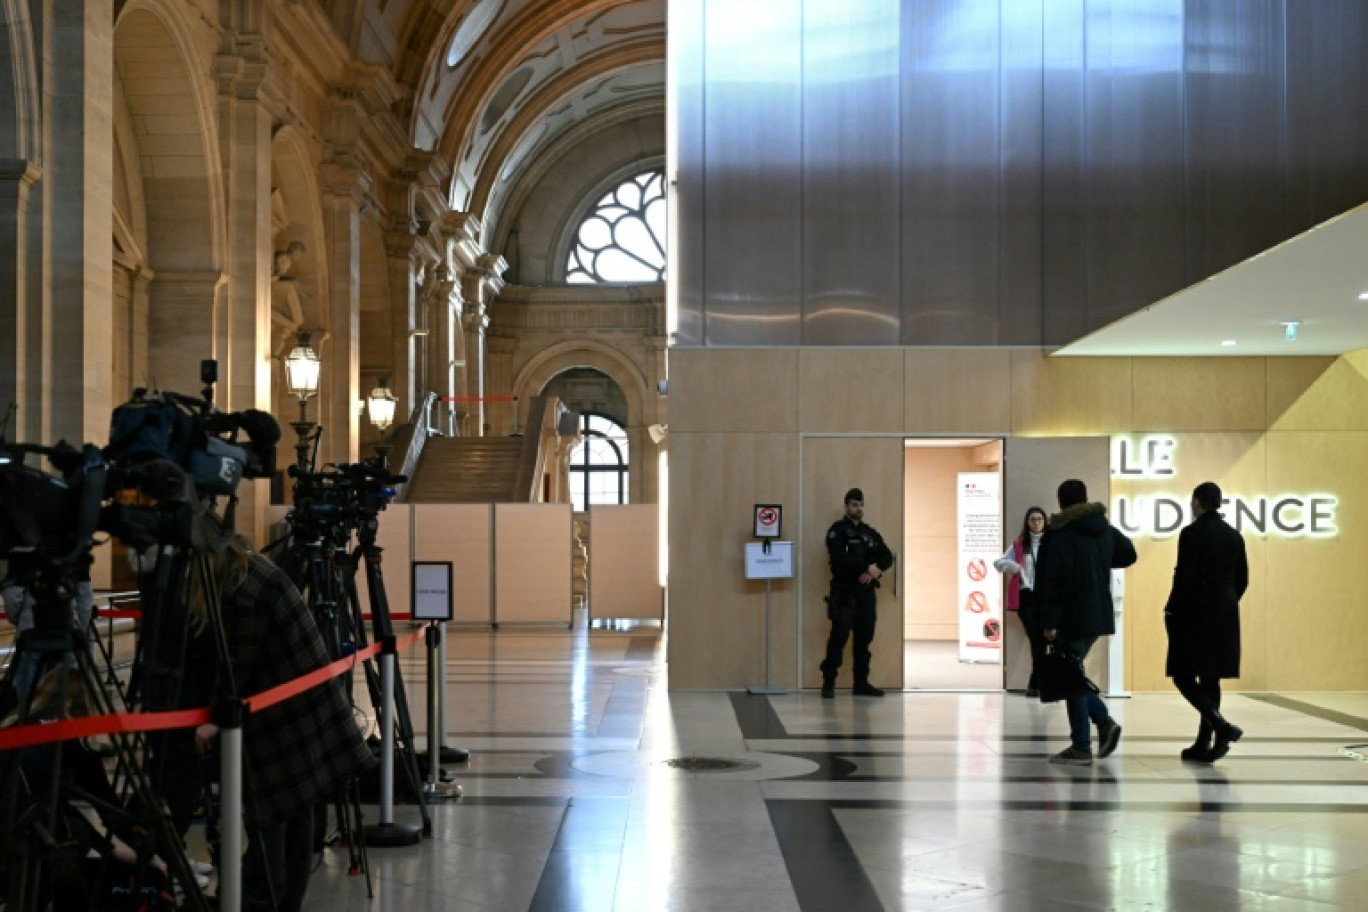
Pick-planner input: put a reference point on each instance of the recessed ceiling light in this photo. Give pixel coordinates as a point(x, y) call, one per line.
point(1227, 342)
point(1363, 296)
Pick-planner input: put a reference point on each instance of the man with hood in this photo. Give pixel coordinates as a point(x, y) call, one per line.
point(1073, 588)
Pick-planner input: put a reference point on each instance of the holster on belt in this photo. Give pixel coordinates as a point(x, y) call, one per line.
point(841, 604)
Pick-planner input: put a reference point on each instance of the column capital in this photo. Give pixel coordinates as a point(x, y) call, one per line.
point(241, 73)
point(345, 177)
point(22, 171)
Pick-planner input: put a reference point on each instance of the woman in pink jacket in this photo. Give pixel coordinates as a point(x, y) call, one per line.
point(1018, 564)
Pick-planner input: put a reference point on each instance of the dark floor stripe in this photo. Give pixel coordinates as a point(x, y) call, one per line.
point(516, 801)
point(1311, 709)
point(1054, 804)
point(756, 716)
point(581, 872)
point(825, 873)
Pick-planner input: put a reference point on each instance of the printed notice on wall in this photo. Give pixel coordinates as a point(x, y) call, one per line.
point(980, 587)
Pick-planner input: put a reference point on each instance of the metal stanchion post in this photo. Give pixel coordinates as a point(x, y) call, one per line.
point(230, 826)
point(767, 689)
point(441, 688)
point(434, 792)
point(387, 833)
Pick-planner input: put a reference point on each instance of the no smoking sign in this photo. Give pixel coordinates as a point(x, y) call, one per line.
point(767, 520)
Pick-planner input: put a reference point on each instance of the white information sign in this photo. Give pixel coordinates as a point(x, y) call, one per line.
point(980, 587)
point(776, 564)
point(432, 590)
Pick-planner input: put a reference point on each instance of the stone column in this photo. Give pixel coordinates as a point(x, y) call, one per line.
point(340, 389)
point(499, 357)
point(78, 101)
point(442, 300)
point(482, 284)
point(185, 323)
point(16, 179)
point(474, 325)
point(241, 317)
point(405, 381)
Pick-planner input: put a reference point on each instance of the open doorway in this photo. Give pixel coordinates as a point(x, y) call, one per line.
point(952, 596)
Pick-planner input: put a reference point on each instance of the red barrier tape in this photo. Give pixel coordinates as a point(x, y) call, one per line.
point(137, 615)
point(113, 723)
point(68, 729)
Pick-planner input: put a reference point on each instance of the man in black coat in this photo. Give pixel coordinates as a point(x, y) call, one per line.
point(1073, 589)
point(1203, 619)
point(859, 558)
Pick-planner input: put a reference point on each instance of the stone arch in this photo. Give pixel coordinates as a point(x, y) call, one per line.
point(299, 281)
point(155, 60)
point(557, 358)
point(20, 131)
point(166, 137)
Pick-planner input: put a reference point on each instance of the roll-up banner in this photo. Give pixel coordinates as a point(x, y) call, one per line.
point(980, 587)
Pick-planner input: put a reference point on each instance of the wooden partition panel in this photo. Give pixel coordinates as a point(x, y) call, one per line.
point(624, 563)
point(462, 534)
point(532, 563)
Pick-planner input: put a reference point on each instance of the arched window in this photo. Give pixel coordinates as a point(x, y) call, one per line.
point(622, 239)
point(598, 464)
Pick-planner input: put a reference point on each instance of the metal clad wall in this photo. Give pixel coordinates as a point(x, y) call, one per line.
point(1021, 169)
point(1065, 250)
point(950, 171)
point(1134, 112)
point(753, 150)
point(940, 172)
point(1327, 107)
point(850, 175)
point(1235, 125)
point(689, 221)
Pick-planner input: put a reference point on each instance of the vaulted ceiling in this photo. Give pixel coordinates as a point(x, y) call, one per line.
point(493, 84)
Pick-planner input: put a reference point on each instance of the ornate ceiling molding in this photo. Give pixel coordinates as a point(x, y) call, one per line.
point(613, 61)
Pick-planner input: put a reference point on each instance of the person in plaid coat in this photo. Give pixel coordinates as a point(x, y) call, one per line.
point(296, 752)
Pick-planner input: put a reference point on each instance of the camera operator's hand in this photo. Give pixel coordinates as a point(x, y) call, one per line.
point(204, 737)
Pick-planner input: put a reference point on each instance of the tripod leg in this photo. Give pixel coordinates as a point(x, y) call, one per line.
point(404, 723)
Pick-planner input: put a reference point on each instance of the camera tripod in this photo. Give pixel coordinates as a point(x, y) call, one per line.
point(338, 620)
point(47, 836)
point(318, 561)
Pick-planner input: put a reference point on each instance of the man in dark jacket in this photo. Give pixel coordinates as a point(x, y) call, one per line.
point(1203, 619)
point(859, 558)
point(1073, 588)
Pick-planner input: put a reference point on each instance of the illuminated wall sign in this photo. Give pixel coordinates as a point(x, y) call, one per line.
point(1163, 514)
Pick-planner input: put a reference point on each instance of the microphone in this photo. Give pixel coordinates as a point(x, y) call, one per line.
point(263, 431)
point(160, 479)
point(261, 427)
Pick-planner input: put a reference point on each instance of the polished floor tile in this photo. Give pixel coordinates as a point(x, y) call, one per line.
point(592, 787)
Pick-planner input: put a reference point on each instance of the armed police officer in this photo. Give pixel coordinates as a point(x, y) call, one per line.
point(859, 558)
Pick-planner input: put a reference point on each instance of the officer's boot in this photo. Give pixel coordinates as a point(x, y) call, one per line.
point(864, 689)
point(828, 686)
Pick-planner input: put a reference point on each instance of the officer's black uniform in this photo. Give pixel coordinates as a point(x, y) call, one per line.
point(852, 547)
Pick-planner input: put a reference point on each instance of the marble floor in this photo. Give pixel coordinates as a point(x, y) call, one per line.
point(916, 801)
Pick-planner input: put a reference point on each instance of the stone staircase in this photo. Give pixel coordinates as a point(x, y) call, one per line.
point(466, 470)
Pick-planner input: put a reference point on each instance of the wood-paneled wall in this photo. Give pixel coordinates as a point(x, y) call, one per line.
point(784, 426)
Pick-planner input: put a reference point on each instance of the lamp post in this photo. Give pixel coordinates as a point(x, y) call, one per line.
point(381, 404)
point(302, 369)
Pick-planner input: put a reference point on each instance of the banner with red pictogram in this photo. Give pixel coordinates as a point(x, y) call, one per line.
point(980, 589)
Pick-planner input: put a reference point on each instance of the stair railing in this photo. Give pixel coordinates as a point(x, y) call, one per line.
point(420, 425)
